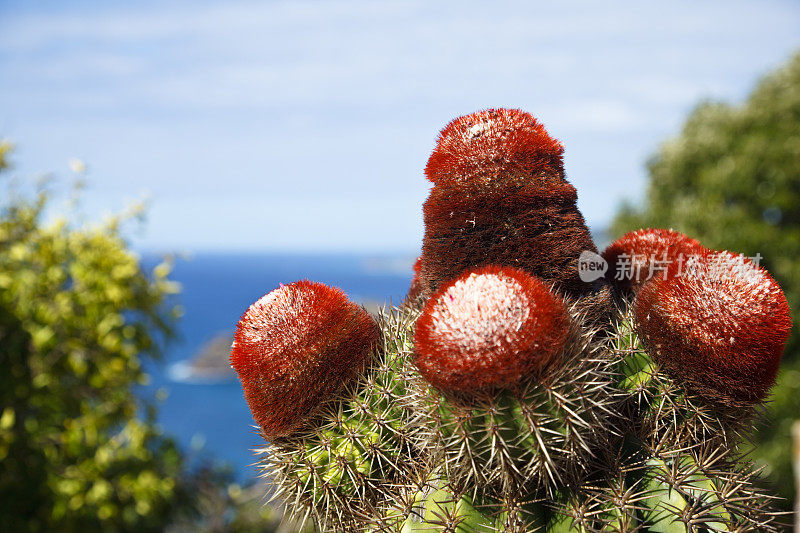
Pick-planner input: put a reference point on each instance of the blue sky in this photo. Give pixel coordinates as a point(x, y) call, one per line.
point(265, 126)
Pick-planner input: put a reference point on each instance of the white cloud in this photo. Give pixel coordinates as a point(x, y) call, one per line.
point(344, 98)
point(245, 55)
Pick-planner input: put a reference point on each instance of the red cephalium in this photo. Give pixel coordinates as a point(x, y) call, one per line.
point(294, 349)
point(719, 326)
point(500, 197)
point(490, 327)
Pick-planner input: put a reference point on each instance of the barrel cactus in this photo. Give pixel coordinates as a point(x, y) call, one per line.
point(510, 392)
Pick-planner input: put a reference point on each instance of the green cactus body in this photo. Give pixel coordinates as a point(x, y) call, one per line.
point(340, 468)
point(521, 516)
point(564, 521)
point(663, 504)
point(704, 490)
point(681, 497)
point(351, 468)
point(437, 508)
point(341, 458)
point(605, 504)
point(505, 406)
point(661, 405)
point(677, 432)
point(564, 524)
point(537, 435)
point(443, 511)
point(659, 495)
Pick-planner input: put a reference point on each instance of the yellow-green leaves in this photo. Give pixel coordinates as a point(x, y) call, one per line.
point(77, 314)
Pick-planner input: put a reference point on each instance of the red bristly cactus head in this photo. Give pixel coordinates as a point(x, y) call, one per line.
point(490, 327)
point(646, 253)
point(295, 348)
point(492, 145)
point(500, 197)
point(719, 326)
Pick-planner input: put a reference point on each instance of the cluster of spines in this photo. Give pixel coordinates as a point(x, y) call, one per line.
point(655, 403)
point(700, 489)
point(342, 460)
point(686, 428)
point(524, 422)
point(426, 501)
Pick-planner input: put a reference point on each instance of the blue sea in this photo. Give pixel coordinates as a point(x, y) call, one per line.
point(209, 418)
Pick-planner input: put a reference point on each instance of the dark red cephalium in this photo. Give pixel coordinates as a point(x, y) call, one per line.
point(490, 327)
point(719, 326)
point(295, 348)
point(646, 253)
point(500, 197)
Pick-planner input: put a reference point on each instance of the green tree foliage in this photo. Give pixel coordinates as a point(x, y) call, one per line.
point(78, 450)
point(732, 180)
point(77, 315)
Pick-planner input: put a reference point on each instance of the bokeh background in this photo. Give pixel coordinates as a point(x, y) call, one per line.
point(271, 141)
